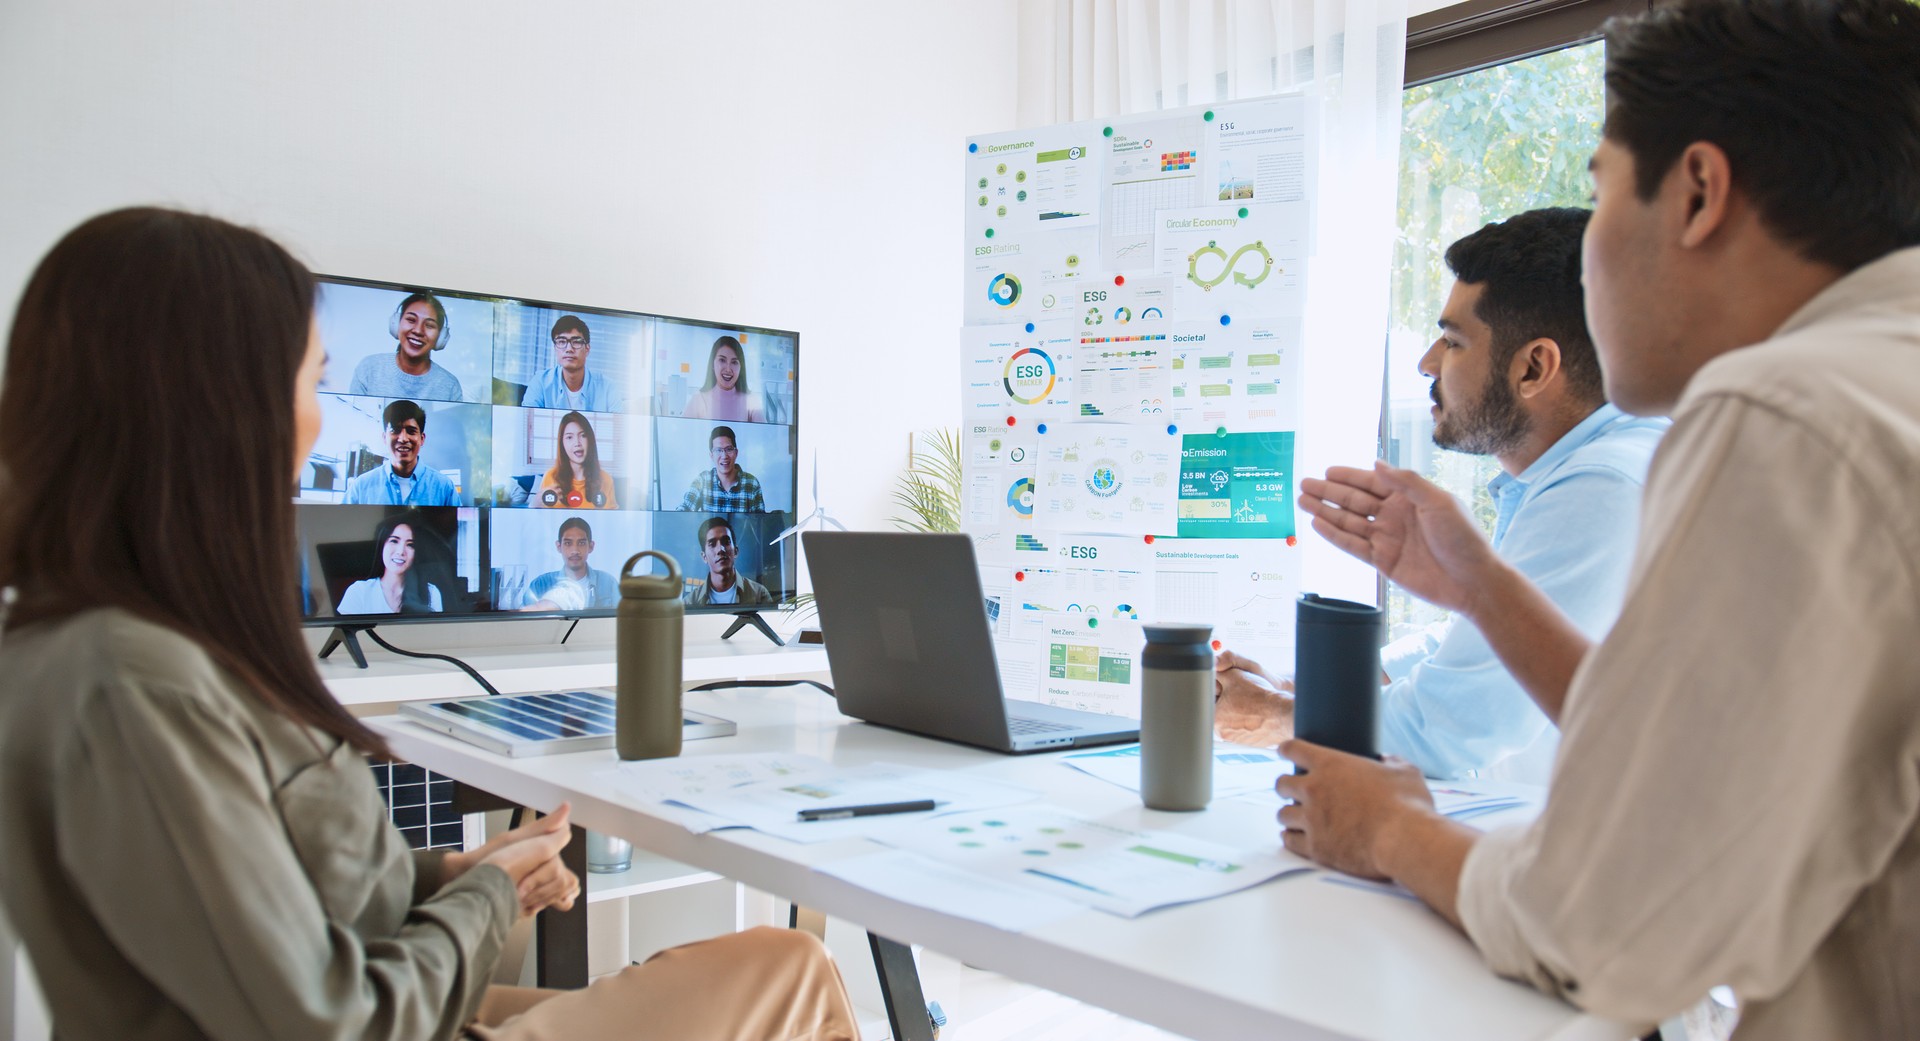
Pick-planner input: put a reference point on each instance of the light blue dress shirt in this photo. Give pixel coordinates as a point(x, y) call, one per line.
point(379, 487)
point(549, 390)
point(1568, 523)
point(605, 588)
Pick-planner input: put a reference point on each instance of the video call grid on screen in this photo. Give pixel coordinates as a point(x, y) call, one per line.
point(514, 419)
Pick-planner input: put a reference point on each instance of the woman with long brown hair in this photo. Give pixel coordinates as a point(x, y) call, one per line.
point(577, 481)
point(191, 845)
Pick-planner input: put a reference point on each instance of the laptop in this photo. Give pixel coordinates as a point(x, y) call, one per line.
point(910, 646)
point(548, 723)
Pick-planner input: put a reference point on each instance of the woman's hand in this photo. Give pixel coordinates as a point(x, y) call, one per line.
point(530, 855)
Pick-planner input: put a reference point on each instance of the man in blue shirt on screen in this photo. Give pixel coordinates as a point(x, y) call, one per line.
point(568, 384)
point(1515, 377)
point(575, 587)
point(403, 481)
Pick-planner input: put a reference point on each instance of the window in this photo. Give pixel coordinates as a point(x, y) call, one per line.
point(1473, 148)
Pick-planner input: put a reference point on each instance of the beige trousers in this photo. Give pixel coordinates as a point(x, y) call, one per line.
point(761, 985)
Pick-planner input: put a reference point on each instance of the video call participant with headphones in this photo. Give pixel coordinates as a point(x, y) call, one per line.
point(418, 327)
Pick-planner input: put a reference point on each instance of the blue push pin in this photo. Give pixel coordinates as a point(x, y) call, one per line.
point(1226, 319)
point(971, 147)
point(1042, 428)
point(1029, 326)
point(1171, 429)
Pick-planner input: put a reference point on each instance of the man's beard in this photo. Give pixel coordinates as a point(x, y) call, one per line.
point(1491, 425)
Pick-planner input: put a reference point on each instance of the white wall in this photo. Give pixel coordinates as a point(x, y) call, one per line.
point(784, 164)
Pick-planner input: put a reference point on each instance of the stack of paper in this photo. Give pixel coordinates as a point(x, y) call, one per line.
point(1054, 853)
point(767, 792)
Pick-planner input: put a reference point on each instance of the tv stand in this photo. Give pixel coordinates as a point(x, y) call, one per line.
point(347, 635)
point(742, 619)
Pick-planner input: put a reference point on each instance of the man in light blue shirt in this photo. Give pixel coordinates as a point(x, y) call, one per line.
point(403, 481)
point(568, 384)
point(577, 586)
point(1514, 376)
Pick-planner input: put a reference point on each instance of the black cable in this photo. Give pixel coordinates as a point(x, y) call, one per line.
point(464, 667)
point(730, 684)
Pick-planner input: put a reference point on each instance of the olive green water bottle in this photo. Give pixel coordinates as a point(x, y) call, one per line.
point(647, 669)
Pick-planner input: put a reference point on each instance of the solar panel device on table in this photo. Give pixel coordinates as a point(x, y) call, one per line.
point(547, 723)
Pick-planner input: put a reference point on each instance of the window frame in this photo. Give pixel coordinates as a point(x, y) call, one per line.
point(1479, 34)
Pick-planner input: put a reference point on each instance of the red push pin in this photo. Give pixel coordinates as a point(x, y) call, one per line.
point(1119, 280)
point(1011, 421)
point(1149, 540)
point(1216, 645)
point(1293, 540)
point(1019, 576)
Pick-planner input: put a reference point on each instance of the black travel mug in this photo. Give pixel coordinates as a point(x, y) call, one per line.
point(1336, 674)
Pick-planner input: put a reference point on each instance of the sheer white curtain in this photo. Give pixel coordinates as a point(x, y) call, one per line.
point(1091, 59)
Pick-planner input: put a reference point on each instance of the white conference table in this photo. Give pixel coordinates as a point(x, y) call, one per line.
point(1298, 957)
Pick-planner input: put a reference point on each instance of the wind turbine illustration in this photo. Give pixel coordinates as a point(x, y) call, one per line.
point(819, 512)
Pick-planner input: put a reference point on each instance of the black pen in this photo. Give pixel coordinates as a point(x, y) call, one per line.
point(839, 813)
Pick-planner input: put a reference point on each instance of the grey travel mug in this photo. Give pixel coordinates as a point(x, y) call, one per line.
point(1176, 718)
point(1336, 674)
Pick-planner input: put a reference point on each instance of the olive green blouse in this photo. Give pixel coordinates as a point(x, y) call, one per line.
point(182, 862)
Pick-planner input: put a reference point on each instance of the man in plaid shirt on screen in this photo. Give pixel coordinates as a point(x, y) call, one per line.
point(725, 488)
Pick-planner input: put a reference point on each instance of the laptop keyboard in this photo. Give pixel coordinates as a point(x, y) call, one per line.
point(1021, 725)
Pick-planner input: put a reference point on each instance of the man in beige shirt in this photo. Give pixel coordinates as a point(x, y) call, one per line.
point(1737, 789)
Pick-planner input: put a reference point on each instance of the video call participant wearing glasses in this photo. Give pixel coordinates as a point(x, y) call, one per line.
point(724, 585)
point(397, 586)
point(724, 395)
point(725, 487)
point(403, 481)
point(192, 847)
point(419, 328)
point(569, 383)
point(576, 481)
point(575, 587)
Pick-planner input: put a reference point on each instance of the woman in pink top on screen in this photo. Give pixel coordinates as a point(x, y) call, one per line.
point(724, 395)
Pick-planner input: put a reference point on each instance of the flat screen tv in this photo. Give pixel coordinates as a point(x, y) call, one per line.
point(490, 457)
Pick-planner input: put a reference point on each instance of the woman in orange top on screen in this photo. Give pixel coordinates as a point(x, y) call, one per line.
point(576, 481)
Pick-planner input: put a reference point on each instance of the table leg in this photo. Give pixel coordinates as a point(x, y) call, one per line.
point(900, 986)
point(560, 937)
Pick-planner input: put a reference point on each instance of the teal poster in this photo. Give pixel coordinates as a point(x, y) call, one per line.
point(1236, 486)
